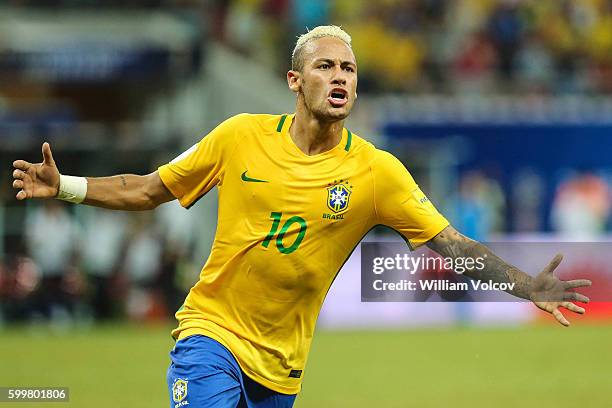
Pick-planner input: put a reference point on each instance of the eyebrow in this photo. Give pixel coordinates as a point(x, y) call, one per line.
point(332, 62)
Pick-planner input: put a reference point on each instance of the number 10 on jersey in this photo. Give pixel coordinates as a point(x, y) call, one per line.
point(276, 219)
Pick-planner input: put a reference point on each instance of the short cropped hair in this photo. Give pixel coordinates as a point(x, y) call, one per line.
point(297, 57)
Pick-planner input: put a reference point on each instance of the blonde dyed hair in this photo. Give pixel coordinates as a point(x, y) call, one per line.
point(297, 60)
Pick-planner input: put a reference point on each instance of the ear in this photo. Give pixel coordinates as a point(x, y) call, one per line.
point(294, 80)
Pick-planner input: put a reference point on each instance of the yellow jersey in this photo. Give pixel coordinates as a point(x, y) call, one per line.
point(287, 222)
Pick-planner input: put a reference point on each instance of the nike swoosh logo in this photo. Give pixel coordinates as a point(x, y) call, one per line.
point(246, 178)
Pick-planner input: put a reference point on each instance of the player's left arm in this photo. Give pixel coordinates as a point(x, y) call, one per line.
point(546, 291)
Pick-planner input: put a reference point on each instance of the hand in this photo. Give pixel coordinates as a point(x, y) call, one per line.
point(40, 180)
point(549, 293)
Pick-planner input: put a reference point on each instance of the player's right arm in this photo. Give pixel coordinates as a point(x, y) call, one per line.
point(128, 192)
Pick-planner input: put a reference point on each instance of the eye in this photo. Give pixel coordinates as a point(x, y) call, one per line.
point(349, 69)
point(324, 66)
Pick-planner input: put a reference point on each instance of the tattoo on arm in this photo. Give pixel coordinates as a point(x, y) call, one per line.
point(450, 243)
point(123, 182)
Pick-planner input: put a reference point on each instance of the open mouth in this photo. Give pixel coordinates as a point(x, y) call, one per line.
point(338, 97)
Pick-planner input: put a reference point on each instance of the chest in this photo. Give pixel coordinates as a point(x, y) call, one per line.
point(326, 190)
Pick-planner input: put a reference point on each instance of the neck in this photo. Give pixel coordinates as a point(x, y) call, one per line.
point(311, 135)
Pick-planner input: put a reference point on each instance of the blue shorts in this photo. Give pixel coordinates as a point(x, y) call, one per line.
point(204, 374)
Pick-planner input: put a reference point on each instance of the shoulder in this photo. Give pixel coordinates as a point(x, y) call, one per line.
point(368, 153)
point(257, 121)
point(359, 146)
point(243, 127)
point(385, 167)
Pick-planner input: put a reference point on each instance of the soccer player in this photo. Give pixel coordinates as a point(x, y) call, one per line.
point(297, 192)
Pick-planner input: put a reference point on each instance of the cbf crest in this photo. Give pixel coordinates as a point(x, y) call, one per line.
point(179, 392)
point(338, 197)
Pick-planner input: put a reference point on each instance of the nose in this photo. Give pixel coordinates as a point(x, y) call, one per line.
point(339, 77)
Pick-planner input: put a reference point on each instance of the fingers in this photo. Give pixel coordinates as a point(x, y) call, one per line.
point(18, 183)
point(560, 318)
point(21, 195)
point(553, 264)
point(575, 296)
point(574, 308)
point(47, 156)
point(18, 174)
point(22, 165)
point(578, 283)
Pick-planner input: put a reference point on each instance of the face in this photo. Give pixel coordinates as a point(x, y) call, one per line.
point(327, 84)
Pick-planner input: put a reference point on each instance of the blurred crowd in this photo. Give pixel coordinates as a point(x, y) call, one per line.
point(448, 46)
point(578, 210)
point(90, 264)
point(421, 46)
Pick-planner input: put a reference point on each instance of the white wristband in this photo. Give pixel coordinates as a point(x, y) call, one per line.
point(72, 189)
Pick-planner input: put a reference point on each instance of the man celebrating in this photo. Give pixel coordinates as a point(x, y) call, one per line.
point(296, 195)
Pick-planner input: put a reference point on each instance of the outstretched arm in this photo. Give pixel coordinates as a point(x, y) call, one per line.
point(546, 291)
point(128, 192)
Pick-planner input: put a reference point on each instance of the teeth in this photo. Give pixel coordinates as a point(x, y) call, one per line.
point(338, 94)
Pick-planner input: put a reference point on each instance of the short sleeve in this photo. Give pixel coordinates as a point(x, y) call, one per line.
point(194, 172)
point(400, 203)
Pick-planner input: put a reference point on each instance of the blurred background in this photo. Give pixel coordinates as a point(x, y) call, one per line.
point(501, 109)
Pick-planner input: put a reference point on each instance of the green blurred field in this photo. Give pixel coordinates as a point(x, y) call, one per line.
point(125, 366)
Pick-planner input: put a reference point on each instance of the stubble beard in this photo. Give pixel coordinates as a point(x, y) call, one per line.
point(321, 112)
